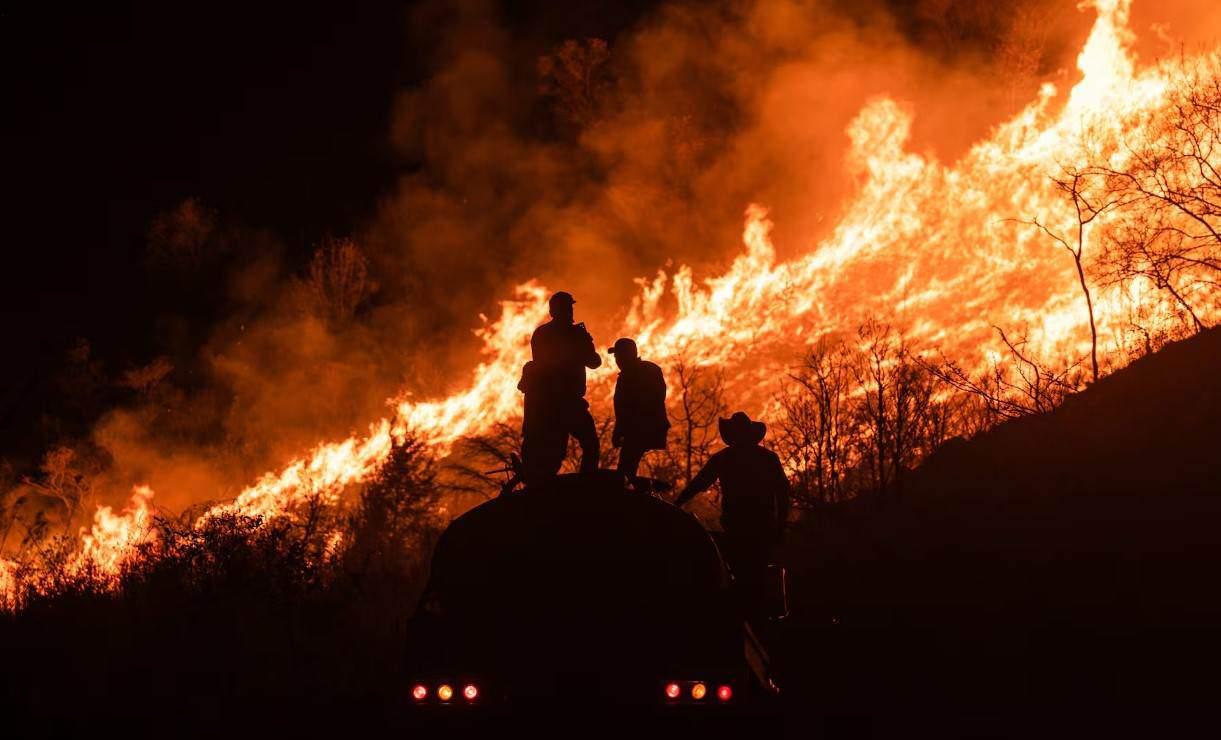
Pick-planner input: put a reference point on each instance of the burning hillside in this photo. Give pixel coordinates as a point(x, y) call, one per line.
point(1085, 224)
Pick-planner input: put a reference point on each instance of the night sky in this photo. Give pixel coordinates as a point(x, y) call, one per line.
point(277, 118)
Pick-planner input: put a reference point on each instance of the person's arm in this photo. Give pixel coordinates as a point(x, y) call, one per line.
point(702, 481)
point(592, 358)
point(527, 372)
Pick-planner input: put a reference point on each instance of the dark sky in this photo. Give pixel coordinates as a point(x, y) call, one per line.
point(275, 116)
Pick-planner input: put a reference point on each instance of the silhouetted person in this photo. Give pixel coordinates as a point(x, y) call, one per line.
point(554, 384)
point(640, 407)
point(754, 501)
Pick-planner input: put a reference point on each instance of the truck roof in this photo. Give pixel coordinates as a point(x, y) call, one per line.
point(581, 543)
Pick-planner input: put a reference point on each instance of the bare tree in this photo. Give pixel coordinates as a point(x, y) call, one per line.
point(337, 281)
point(694, 410)
point(1021, 386)
point(1088, 204)
point(478, 459)
point(814, 435)
point(64, 480)
point(1170, 181)
point(895, 408)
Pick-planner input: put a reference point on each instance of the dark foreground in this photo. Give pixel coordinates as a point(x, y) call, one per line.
point(1056, 577)
point(992, 632)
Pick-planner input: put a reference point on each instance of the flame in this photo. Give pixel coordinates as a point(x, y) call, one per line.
point(112, 539)
point(922, 241)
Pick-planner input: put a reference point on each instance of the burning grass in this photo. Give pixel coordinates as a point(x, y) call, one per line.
point(1081, 233)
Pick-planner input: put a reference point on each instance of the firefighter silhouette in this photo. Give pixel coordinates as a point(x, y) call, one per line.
point(554, 386)
point(640, 407)
point(755, 500)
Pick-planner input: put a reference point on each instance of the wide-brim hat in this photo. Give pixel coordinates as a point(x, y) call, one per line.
point(740, 429)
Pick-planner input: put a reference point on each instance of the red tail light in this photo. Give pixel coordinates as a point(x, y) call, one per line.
point(673, 690)
point(419, 692)
point(724, 693)
point(471, 692)
point(699, 691)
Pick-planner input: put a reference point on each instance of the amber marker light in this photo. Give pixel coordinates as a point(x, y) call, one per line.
point(419, 692)
point(673, 690)
point(699, 691)
point(445, 692)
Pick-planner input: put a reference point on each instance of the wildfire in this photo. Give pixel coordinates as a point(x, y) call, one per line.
point(932, 245)
point(112, 538)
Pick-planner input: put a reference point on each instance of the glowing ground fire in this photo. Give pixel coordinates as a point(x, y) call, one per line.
point(937, 247)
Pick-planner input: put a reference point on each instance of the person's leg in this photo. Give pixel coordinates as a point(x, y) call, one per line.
point(629, 458)
point(544, 444)
point(747, 557)
point(582, 427)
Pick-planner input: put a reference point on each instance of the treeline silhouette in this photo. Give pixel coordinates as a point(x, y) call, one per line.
point(1054, 563)
point(235, 616)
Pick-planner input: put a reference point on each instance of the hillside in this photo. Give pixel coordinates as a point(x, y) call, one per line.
point(1111, 505)
point(1056, 572)
point(1151, 428)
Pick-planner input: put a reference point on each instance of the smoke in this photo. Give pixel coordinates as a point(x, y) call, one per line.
point(583, 165)
point(649, 156)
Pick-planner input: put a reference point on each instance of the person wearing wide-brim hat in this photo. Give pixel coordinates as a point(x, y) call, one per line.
point(754, 500)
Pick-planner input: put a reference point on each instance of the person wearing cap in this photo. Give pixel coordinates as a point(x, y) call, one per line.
point(640, 407)
point(754, 500)
point(554, 384)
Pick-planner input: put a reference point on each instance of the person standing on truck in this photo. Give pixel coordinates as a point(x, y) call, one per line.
point(554, 384)
point(640, 407)
point(755, 500)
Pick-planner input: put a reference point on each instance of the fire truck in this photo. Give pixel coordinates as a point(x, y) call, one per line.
point(578, 592)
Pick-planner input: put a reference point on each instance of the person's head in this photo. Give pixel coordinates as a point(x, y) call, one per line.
point(624, 352)
point(740, 429)
point(561, 306)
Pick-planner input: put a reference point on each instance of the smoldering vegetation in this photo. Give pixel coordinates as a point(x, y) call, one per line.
point(232, 618)
point(522, 157)
point(1077, 539)
point(521, 162)
point(526, 160)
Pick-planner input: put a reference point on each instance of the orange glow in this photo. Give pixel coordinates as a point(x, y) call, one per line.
point(919, 240)
point(445, 692)
point(699, 691)
point(113, 538)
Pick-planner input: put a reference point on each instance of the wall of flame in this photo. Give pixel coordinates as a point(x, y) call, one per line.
point(931, 246)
